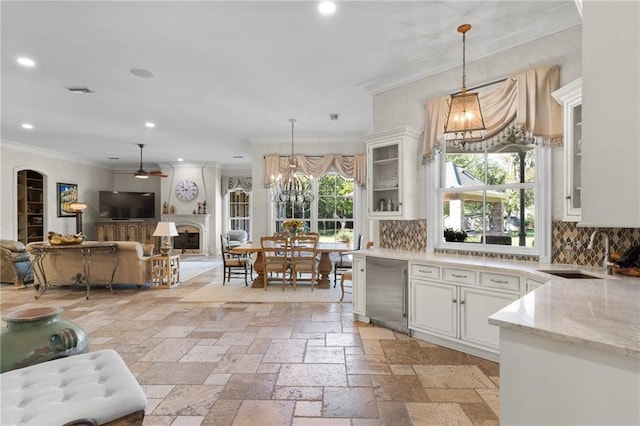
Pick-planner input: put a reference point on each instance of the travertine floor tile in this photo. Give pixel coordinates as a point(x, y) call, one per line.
point(312, 375)
point(215, 363)
point(263, 413)
point(349, 402)
point(452, 376)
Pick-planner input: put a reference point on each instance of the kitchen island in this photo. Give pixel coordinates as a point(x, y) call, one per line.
point(569, 349)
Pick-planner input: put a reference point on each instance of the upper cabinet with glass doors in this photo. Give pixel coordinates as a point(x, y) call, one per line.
point(570, 96)
point(392, 160)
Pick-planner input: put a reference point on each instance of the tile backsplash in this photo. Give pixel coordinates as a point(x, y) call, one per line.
point(568, 242)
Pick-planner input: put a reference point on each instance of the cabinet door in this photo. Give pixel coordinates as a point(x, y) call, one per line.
point(392, 173)
point(433, 308)
point(359, 289)
point(476, 306)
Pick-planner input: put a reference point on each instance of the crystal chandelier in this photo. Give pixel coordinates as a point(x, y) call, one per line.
point(294, 190)
point(464, 121)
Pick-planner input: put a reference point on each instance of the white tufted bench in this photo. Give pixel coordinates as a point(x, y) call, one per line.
point(96, 385)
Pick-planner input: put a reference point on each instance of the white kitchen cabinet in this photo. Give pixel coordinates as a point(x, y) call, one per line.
point(359, 289)
point(434, 308)
point(453, 310)
point(570, 96)
point(475, 307)
point(392, 160)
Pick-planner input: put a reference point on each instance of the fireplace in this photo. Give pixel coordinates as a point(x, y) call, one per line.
point(193, 233)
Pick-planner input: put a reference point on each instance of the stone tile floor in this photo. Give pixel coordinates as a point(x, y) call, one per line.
point(273, 364)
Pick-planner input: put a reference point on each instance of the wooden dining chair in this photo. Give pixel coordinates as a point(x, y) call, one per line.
point(233, 265)
point(275, 257)
point(304, 257)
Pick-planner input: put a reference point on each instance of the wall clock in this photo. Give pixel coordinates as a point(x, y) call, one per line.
point(186, 190)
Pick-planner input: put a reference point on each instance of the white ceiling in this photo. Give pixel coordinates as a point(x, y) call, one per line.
point(228, 74)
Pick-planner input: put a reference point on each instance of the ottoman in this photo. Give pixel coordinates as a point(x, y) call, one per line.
point(96, 385)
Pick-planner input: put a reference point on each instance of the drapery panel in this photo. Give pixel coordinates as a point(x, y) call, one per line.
point(349, 167)
point(238, 182)
point(521, 106)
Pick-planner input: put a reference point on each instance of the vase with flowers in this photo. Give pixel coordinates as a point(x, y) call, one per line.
point(293, 226)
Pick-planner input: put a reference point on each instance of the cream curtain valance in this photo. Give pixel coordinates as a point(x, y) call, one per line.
point(238, 182)
point(349, 167)
point(521, 105)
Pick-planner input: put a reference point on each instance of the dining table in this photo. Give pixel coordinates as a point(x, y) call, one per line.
point(324, 267)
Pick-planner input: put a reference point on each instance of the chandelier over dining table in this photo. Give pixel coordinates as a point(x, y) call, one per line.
point(294, 190)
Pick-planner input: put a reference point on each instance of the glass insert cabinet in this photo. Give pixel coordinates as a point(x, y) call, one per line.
point(392, 173)
point(570, 97)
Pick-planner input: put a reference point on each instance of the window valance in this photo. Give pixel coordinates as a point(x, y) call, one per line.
point(520, 106)
point(349, 167)
point(238, 182)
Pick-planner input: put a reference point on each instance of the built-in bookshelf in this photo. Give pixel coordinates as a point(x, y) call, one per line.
point(30, 206)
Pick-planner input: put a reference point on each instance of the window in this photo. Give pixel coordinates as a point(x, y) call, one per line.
point(488, 197)
point(331, 213)
point(239, 211)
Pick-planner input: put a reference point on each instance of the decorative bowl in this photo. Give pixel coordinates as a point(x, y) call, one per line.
point(61, 240)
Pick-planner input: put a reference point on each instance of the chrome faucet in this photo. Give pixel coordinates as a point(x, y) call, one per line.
point(607, 264)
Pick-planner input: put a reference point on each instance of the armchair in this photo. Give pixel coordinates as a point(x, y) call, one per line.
point(236, 238)
point(15, 265)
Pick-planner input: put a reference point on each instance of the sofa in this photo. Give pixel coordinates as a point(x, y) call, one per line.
point(133, 265)
point(15, 266)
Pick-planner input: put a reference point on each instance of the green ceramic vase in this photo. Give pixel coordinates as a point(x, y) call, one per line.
point(37, 335)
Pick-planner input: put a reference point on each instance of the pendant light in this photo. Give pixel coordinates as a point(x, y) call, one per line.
point(464, 122)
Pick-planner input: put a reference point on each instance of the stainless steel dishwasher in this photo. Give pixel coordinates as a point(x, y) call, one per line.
point(387, 287)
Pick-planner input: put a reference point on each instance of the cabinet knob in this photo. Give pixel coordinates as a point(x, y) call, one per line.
point(568, 197)
point(462, 302)
point(454, 301)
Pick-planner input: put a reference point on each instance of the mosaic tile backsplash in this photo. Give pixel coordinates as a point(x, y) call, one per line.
point(568, 246)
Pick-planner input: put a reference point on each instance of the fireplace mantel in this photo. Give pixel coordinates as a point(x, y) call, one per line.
point(200, 221)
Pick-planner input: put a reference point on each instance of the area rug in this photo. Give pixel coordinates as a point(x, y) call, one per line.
point(192, 268)
point(235, 291)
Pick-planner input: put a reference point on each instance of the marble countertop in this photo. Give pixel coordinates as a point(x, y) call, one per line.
point(601, 313)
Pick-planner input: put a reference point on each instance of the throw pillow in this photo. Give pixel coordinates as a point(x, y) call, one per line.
point(147, 249)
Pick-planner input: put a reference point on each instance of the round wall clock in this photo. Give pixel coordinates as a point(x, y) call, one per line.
point(186, 190)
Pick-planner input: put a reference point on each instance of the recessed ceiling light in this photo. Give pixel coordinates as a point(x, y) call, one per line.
point(149, 125)
point(238, 156)
point(327, 8)
point(180, 159)
point(27, 126)
point(26, 62)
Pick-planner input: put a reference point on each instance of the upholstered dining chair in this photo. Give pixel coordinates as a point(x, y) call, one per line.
point(275, 257)
point(345, 261)
point(233, 265)
point(304, 257)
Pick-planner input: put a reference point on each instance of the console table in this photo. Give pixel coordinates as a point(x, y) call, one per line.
point(85, 249)
point(165, 271)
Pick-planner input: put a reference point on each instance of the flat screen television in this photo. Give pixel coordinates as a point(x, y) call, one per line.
point(119, 205)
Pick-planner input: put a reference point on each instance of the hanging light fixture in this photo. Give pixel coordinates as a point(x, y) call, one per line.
point(294, 191)
point(464, 121)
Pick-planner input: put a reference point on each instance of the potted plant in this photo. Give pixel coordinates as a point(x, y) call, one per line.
point(454, 235)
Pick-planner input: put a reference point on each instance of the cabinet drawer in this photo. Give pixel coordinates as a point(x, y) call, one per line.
point(425, 271)
point(506, 282)
point(461, 276)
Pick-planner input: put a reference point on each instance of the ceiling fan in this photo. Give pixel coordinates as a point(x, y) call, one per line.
point(141, 173)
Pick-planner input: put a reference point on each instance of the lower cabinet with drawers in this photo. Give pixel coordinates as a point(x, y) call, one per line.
point(450, 306)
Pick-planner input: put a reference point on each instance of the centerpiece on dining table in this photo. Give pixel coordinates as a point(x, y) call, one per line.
point(293, 226)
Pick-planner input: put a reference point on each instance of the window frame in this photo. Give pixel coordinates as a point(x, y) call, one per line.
point(313, 216)
point(542, 195)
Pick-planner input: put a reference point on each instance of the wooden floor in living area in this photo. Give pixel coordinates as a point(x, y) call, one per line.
point(290, 363)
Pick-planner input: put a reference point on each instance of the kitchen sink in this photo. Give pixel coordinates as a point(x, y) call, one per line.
point(572, 275)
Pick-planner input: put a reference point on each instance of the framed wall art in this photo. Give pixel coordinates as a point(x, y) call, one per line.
point(66, 193)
